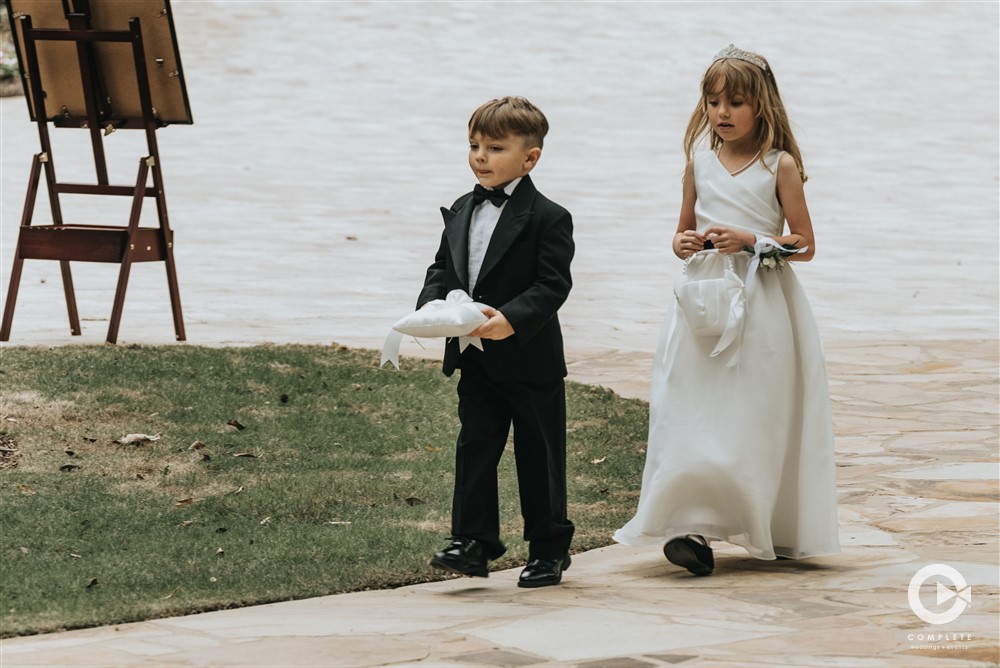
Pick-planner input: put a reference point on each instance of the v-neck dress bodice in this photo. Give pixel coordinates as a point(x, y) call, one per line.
point(748, 200)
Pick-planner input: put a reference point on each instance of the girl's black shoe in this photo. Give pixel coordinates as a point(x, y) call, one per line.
point(690, 554)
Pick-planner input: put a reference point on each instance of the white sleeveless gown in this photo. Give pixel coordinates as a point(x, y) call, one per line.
point(741, 445)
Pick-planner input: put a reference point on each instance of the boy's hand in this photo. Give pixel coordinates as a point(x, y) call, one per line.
point(496, 328)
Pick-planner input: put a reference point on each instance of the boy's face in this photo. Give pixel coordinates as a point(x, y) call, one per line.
point(498, 161)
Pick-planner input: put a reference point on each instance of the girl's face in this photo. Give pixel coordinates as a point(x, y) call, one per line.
point(734, 118)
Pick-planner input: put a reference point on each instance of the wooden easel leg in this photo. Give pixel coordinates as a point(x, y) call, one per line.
point(26, 214)
point(167, 237)
point(116, 311)
point(133, 224)
point(8, 311)
point(175, 295)
point(67, 276)
point(74, 316)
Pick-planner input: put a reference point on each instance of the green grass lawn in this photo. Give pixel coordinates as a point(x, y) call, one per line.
point(279, 472)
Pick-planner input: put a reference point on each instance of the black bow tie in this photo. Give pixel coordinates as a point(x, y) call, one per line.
point(481, 194)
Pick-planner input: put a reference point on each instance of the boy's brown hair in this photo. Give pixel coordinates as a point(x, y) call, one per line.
point(510, 115)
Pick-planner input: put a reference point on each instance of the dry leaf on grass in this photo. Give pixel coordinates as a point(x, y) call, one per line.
point(598, 461)
point(68, 467)
point(184, 502)
point(245, 454)
point(236, 423)
point(197, 445)
point(137, 439)
point(338, 522)
point(413, 501)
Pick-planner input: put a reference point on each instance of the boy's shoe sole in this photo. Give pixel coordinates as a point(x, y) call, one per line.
point(467, 571)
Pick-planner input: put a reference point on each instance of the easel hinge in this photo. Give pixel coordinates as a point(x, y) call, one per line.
point(43, 157)
point(151, 161)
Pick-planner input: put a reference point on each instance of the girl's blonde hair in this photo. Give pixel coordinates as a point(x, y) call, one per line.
point(740, 77)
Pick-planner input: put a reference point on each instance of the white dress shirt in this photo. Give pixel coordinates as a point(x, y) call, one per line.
point(484, 221)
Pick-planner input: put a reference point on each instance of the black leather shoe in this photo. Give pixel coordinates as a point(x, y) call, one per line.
point(463, 556)
point(543, 572)
point(690, 554)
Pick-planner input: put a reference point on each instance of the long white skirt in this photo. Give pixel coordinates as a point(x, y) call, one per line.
point(742, 453)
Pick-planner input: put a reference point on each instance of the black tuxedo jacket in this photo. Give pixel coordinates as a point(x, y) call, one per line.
point(525, 275)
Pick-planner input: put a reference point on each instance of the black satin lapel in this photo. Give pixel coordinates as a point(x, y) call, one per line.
point(515, 216)
point(456, 228)
point(503, 236)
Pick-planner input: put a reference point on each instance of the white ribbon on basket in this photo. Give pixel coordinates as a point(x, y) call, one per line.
point(455, 315)
point(733, 332)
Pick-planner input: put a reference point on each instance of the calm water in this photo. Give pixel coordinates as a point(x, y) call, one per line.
point(326, 136)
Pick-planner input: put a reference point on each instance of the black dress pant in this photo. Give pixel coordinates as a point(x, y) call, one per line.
point(487, 408)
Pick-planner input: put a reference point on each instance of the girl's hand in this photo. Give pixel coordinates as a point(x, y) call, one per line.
point(687, 243)
point(728, 241)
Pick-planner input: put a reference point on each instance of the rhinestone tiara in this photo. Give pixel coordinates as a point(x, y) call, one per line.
point(739, 54)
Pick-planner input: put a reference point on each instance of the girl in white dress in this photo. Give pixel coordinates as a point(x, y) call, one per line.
point(740, 433)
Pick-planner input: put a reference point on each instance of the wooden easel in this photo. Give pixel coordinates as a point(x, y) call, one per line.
point(66, 242)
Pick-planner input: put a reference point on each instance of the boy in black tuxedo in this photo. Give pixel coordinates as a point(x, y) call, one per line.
point(509, 247)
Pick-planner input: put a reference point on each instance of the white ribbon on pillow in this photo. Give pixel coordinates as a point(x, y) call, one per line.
point(455, 315)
